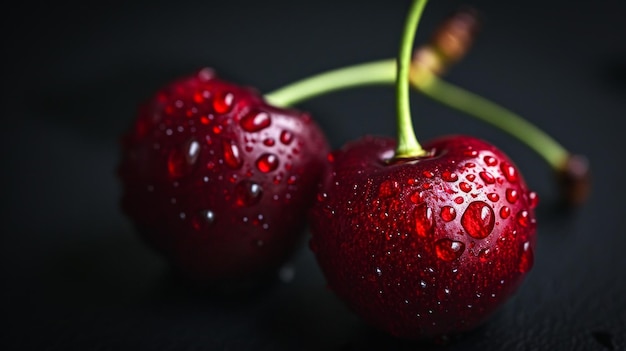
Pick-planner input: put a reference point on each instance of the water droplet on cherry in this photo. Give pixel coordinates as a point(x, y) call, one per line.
point(255, 121)
point(510, 173)
point(449, 176)
point(424, 221)
point(448, 250)
point(533, 199)
point(232, 155)
point(388, 188)
point(493, 197)
point(267, 163)
point(478, 220)
point(490, 160)
point(223, 102)
point(465, 187)
point(505, 212)
point(448, 213)
point(512, 195)
point(286, 137)
point(523, 218)
point(487, 177)
point(181, 160)
point(527, 258)
point(247, 193)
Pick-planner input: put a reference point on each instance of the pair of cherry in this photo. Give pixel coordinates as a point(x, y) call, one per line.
point(418, 240)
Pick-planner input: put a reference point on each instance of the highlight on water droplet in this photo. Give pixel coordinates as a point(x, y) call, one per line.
point(533, 199)
point(181, 160)
point(247, 193)
point(232, 155)
point(478, 220)
point(255, 121)
point(465, 187)
point(388, 188)
point(523, 218)
point(505, 212)
point(512, 195)
point(510, 173)
point(286, 137)
point(487, 177)
point(490, 160)
point(448, 250)
point(493, 197)
point(449, 176)
point(424, 221)
point(417, 197)
point(223, 102)
point(448, 213)
point(267, 163)
point(527, 258)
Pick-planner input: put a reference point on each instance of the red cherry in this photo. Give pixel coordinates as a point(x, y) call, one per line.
point(202, 186)
point(431, 265)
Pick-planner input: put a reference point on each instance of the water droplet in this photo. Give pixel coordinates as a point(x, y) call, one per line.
point(417, 197)
point(490, 160)
point(223, 102)
point(470, 165)
point(322, 197)
point(505, 212)
point(247, 193)
point(483, 255)
point(181, 160)
point(268, 142)
point(428, 174)
point(493, 197)
point(487, 177)
point(424, 222)
point(510, 173)
point(267, 163)
point(470, 177)
point(448, 249)
point(478, 220)
point(471, 153)
point(255, 121)
point(423, 284)
point(523, 218)
point(449, 176)
point(527, 259)
point(533, 199)
point(208, 216)
point(286, 137)
point(458, 200)
point(465, 187)
point(448, 213)
point(379, 272)
point(512, 195)
point(232, 155)
point(446, 291)
point(388, 188)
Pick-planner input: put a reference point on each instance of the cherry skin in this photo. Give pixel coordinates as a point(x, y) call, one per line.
point(427, 246)
point(217, 180)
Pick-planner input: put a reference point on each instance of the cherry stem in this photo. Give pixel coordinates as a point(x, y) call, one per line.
point(408, 146)
point(384, 72)
point(371, 73)
point(475, 105)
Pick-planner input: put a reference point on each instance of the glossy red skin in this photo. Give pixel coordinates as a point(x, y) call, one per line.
point(166, 193)
point(386, 268)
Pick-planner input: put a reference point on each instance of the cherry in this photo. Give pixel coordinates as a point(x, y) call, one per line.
point(422, 241)
point(219, 181)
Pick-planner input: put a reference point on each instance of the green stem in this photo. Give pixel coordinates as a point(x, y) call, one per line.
point(384, 73)
point(407, 142)
point(475, 105)
point(371, 73)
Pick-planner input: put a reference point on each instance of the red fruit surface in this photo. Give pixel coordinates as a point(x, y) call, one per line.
point(428, 246)
point(217, 180)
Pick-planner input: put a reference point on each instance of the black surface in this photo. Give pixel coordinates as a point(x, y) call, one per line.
point(76, 277)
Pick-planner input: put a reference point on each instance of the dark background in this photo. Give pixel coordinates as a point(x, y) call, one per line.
point(75, 276)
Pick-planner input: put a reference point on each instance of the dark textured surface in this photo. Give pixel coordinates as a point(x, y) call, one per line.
point(75, 276)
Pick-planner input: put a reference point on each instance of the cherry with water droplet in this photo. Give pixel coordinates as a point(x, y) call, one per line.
point(219, 178)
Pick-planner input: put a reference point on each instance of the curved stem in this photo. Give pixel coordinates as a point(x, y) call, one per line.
point(377, 72)
point(465, 101)
point(384, 72)
point(408, 145)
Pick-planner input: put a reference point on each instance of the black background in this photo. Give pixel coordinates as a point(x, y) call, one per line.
point(75, 276)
